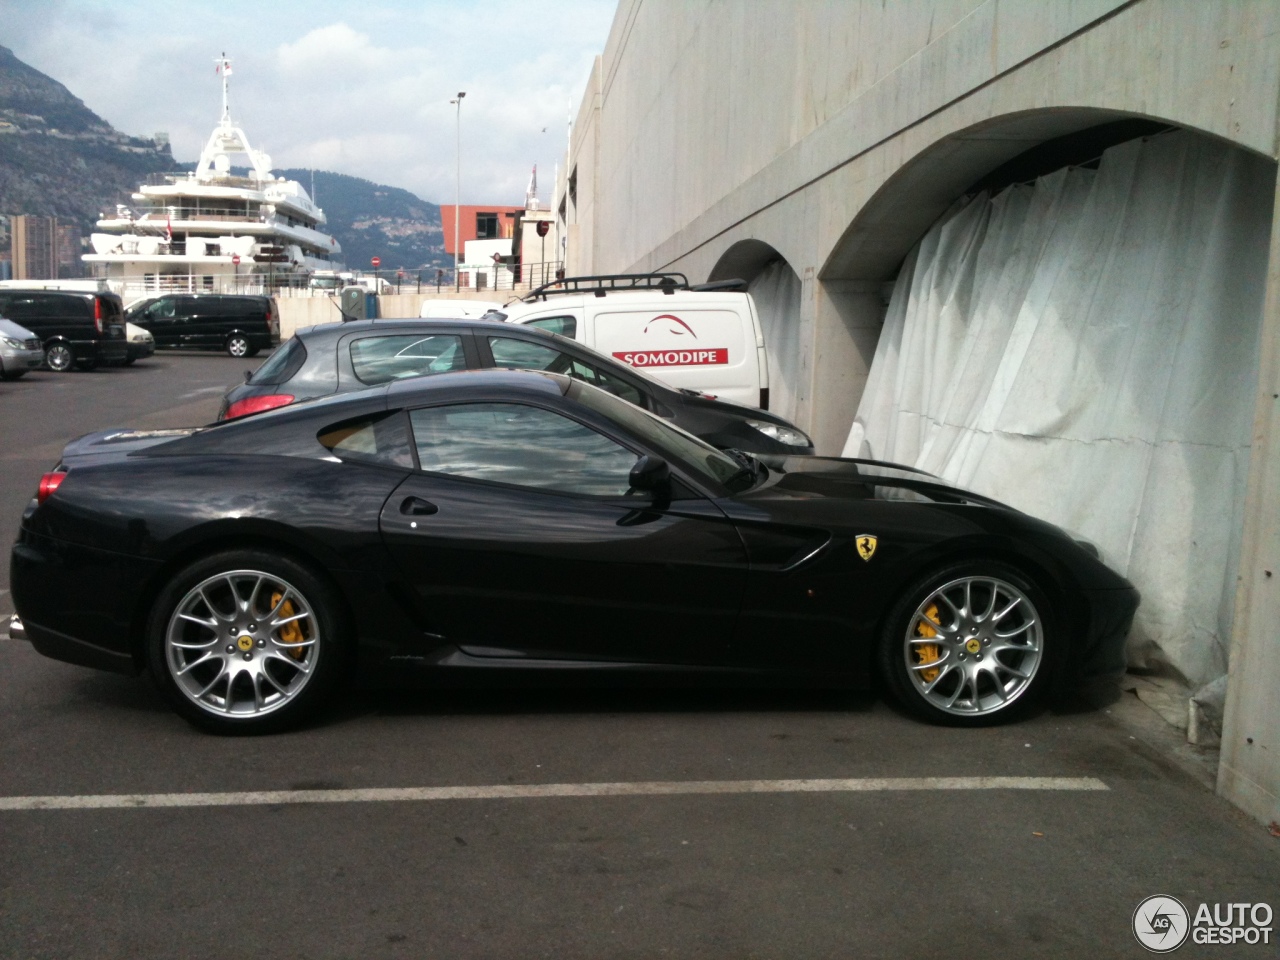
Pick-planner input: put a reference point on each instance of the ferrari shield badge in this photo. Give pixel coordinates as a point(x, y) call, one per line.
point(866, 546)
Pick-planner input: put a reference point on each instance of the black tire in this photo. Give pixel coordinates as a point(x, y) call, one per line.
point(980, 659)
point(253, 351)
point(259, 678)
point(238, 346)
point(58, 357)
point(13, 375)
point(129, 361)
point(87, 365)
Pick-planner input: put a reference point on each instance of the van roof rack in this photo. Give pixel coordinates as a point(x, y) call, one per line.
point(720, 285)
point(602, 284)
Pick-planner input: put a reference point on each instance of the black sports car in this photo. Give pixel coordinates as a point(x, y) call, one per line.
point(342, 357)
point(519, 521)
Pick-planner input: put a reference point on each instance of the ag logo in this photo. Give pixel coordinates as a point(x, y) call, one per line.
point(1161, 924)
point(866, 546)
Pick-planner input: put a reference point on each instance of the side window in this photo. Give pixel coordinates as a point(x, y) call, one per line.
point(186, 307)
point(382, 359)
point(607, 381)
point(161, 310)
point(565, 326)
point(523, 355)
point(382, 439)
point(521, 445)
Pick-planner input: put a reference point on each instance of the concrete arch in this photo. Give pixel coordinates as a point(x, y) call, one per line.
point(776, 288)
point(924, 187)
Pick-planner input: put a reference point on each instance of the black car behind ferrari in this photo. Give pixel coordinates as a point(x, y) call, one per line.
point(519, 521)
point(341, 357)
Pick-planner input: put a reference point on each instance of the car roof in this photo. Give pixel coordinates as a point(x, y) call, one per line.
point(333, 331)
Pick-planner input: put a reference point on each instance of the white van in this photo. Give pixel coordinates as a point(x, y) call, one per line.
point(704, 338)
point(457, 309)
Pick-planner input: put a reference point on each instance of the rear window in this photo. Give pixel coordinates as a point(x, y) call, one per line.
point(281, 365)
point(565, 326)
point(110, 307)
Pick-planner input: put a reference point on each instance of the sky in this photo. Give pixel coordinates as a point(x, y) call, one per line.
point(361, 88)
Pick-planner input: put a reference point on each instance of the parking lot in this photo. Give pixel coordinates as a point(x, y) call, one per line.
point(571, 823)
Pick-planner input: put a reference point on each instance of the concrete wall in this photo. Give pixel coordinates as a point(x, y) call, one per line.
point(299, 312)
point(834, 132)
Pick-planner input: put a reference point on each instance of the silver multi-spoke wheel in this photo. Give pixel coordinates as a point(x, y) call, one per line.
point(973, 646)
point(242, 643)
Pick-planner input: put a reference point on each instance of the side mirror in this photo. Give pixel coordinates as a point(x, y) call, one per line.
point(247, 375)
point(650, 473)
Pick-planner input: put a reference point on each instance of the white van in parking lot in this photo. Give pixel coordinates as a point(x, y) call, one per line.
point(703, 338)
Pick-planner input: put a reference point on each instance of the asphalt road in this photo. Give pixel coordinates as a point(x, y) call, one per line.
point(726, 833)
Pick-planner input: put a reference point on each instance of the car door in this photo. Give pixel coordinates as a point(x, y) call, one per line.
point(519, 537)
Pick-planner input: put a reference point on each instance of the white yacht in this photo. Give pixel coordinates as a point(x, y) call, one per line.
point(212, 230)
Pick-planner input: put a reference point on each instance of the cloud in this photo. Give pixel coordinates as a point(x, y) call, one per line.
point(314, 85)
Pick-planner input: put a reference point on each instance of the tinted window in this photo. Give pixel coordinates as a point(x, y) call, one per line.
point(534, 356)
point(381, 359)
point(281, 365)
point(381, 439)
point(61, 305)
point(239, 306)
point(521, 445)
point(565, 326)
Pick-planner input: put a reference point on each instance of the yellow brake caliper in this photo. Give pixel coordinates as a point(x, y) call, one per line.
point(928, 652)
point(292, 632)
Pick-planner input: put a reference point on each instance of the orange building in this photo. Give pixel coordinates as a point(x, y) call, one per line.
point(478, 223)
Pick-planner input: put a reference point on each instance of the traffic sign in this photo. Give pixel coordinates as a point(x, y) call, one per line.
point(376, 261)
point(543, 227)
point(235, 259)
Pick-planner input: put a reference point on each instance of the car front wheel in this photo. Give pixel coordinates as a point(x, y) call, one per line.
point(969, 645)
point(237, 345)
point(58, 357)
point(246, 641)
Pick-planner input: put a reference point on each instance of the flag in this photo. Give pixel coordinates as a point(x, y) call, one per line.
point(168, 229)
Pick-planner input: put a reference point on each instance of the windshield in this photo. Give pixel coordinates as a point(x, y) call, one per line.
point(710, 464)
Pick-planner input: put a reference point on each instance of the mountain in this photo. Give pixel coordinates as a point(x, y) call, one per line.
point(373, 220)
point(57, 157)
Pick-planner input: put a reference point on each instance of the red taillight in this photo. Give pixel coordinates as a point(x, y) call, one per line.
point(97, 313)
point(49, 483)
point(242, 408)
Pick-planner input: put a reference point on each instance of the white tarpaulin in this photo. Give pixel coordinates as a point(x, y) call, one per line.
point(1085, 349)
point(776, 292)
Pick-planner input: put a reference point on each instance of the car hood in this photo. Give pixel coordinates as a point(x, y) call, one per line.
point(10, 329)
point(807, 477)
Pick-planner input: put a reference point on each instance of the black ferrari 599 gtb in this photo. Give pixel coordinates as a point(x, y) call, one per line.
point(519, 521)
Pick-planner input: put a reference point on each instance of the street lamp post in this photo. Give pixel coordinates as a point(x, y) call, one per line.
point(457, 197)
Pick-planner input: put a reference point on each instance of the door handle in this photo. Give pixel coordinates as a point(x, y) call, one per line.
point(417, 507)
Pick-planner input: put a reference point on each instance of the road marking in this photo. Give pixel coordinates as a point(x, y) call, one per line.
point(127, 801)
point(196, 393)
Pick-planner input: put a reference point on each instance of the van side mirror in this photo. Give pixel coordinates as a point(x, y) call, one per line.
point(650, 473)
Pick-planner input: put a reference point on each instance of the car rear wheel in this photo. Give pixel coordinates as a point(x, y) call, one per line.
point(238, 345)
point(246, 641)
point(969, 645)
point(87, 364)
point(58, 357)
point(12, 374)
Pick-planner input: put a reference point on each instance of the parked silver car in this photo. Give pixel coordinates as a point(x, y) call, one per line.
point(20, 350)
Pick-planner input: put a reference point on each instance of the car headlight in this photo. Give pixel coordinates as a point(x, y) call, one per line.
point(787, 436)
point(140, 339)
point(11, 343)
